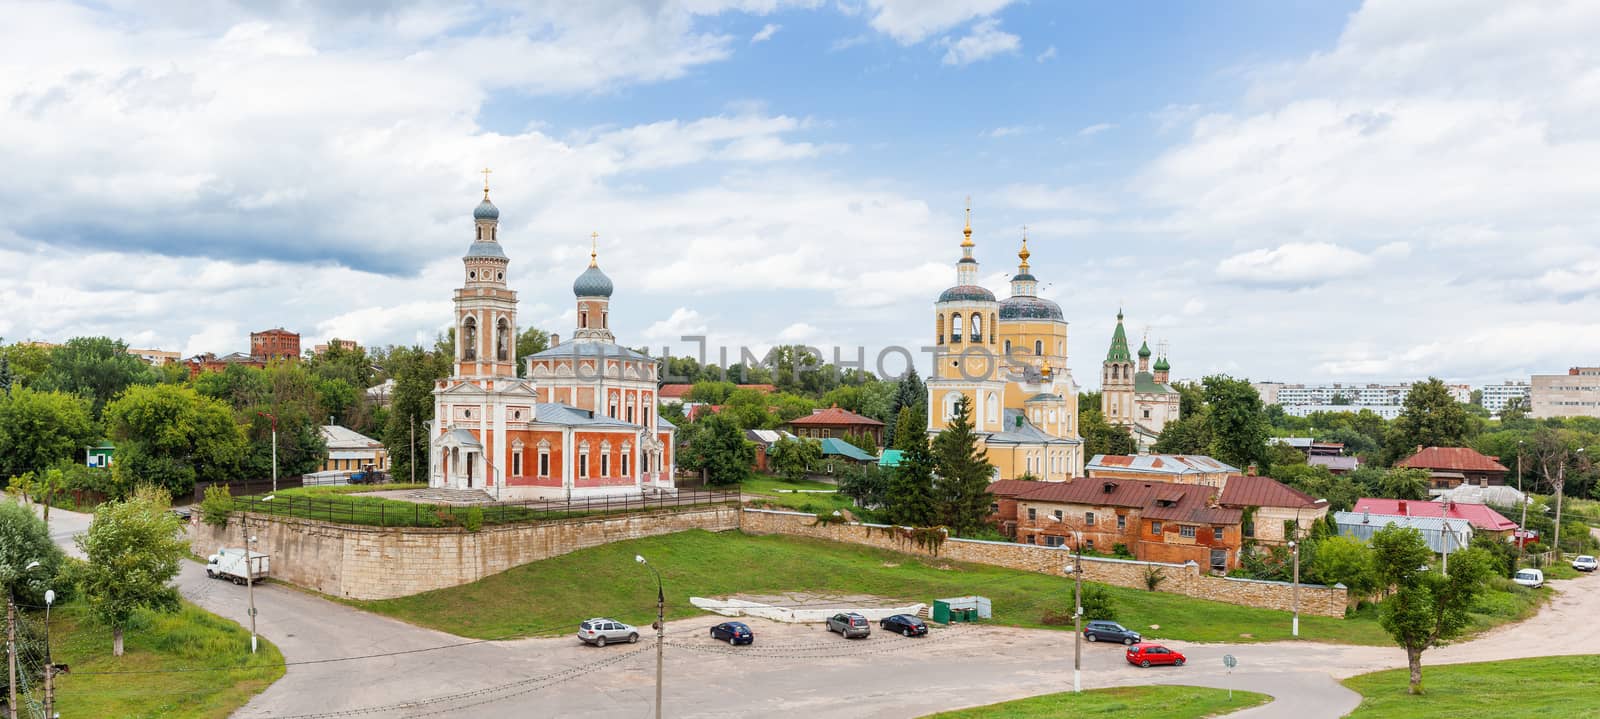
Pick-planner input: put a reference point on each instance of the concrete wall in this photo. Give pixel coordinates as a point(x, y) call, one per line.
point(386, 562)
point(1183, 579)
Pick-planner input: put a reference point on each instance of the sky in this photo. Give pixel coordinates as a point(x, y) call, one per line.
point(1289, 191)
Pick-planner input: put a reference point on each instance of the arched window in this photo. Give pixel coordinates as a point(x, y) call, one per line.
point(583, 316)
point(950, 401)
point(1114, 371)
point(502, 340)
point(469, 339)
point(994, 407)
point(955, 328)
point(941, 329)
point(612, 408)
point(1008, 347)
point(992, 326)
point(977, 327)
point(1038, 347)
point(605, 318)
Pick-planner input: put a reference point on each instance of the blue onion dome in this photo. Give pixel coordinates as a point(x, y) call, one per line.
point(1144, 350)
point(592, 283)
point(486, 211)
point(1029, 308)
point(967, 293)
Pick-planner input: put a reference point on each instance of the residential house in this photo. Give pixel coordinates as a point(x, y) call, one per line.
point(1155, 521)
point(1441, 534)
point(835, 422)
point(350, 451)
point(209, 362)
point(1271, 507)
point(1003, 510)
point(1450, 467)
point(763, 439)
point(1180, 468)
point(1482, 517)
point(1334, 463)
point(100, 455)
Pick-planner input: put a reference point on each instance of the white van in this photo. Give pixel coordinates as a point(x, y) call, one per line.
point(1529, 578)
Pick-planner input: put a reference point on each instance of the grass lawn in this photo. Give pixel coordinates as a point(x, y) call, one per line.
point(768, 484)
point(553, 595)
point(350, 505)
point(1548, 686)
point(158, 644)
point(1151, 702)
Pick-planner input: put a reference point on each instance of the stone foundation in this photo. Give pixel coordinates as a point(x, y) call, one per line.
point(1185, 579)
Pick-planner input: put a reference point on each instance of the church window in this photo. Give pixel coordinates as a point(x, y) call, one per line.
point(955, 328)
point(499, 275)
point(516, 463)
point(472, 275)
point(544, 462)
point(941, 329)
point(1052, 416)
point(992, 326)
point(1147, 413)
point(502, 341)
point(994, 407)
point(612, 410)
point(1115, 369)
point(605, 463)
point(1038, 347)
point(630, 414)
point(977, 327)
point(583, 316)
point(627, 449)
point(604, 319)
point(1008, 347)
point(950, 401)
point(480, 233)
point(469, 339)
point(583, 460)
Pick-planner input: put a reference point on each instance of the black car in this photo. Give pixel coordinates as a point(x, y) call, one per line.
point(1103, 631)
point(905, 624)
point(734, 632)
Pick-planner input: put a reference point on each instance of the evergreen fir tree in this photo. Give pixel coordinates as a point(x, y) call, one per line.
point(962, 483)
point(910, 500)
point(909, 429)
point(5, 376)
point(910, 392)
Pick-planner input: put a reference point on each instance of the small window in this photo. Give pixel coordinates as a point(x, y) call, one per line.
point(1216, 534)
point(1122, 521)
point(499, 275)
point(1029, 540)
point(1057, 514)
point(516, 464)
point(1155, 527)
point(1054, 541)
point(1033, 514)
point(583, 464)
point(994, 507)
point(1088, 544)
point(1088, 519)
point(605, 465)
point(1186, 531)
point(544, 464)
point(625, 468)
point(472, 275)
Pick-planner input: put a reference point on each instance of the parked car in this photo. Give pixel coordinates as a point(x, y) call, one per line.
point(1529, 578)
point(734, 632)
point(849, 625)
point(905, 624)
point(1145, 655)
point(601, 631)
point(1104, 631)
point(1585, 563)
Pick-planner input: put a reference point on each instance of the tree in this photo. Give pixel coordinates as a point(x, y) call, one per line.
point(908, 392)
point(1402, 483)
point(1317, 481)
point(27, 362)
point(716, 448)
point(414, 370)
point(909, 500)
point(133, 548)
point(530, 342)
point(1191, 398)
point(1347, 561)
point(748, 409)
point(1237, 421)
point(24, 539)
point(1100, 437)
point(6, 378)
point(98, 368)
point(863, 440)
point(793, 458)
point(962, 472)
point(1088, 402)
point(1431, 418)
point(910, 428)
point(1188, 435)
point(172, 437)
point(1514, 410)
point(867, 484)
point(39, 429)
point(1425, 607)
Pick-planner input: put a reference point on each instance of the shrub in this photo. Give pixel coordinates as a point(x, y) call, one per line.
point(1098, 604)
point(1153, 577)
point(1120, 551)
point(473, 521)
point(217, 505)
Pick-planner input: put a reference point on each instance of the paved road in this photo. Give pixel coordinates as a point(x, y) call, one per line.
point(415, 672)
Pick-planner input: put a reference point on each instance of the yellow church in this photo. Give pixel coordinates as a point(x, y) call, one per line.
point(1009, 359)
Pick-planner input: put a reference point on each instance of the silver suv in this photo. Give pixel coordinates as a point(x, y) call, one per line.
point(850, 625)
point(601, 631)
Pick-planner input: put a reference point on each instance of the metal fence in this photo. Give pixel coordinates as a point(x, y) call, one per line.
point(381, 512)
point(239, 487)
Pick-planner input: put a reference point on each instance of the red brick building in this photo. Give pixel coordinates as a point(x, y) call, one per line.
point(835, 422)
point(1154, 521)
point(275, 345)
point(211, 363)
point(1450, 467)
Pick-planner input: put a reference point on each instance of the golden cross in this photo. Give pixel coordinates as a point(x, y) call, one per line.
point(486, 172)
point(594, 246)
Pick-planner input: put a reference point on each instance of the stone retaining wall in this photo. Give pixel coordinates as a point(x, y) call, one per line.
point(1186, 579)
point(361, 562)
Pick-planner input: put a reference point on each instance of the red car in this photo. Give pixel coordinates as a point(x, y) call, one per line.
point(1145, 655)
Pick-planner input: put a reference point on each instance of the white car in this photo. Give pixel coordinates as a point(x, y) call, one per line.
point(1585, 563)
point(1529, 578)
point(601, 631)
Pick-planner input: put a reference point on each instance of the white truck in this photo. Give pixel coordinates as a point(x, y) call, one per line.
point(230, 564)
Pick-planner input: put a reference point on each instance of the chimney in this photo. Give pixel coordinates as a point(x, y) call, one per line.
point(1404, 509)
point(1366, 517)
point(1250, 471)
point(555, 339)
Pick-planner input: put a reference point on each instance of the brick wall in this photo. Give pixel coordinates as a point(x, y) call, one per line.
point(1183, 579)
point(385, 562)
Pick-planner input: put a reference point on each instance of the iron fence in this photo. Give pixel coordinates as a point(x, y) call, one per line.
point(238, 487)
point(383, 512)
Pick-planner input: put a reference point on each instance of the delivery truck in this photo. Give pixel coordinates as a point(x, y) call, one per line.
point(230, 564)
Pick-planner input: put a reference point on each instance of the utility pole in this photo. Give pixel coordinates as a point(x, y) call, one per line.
point(49, 666)
point(1077, 613)
point(274, 419)
point(413, 449)
point(249, 577)
point(11, 652)
point(661, 626)
point(1295, 630)
point(1522, 541)
point(1561, 486)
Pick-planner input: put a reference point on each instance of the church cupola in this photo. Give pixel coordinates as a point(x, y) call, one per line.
point(486, 309)
point(593, 292)
point(1144, 355)
point(966, 314)
point(1024, 284)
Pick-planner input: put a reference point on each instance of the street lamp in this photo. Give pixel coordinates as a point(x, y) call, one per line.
point(1077, 604)
point(661, 626)
point(274, 419)
point(250, 572)
point(11, 645)
point(1294, 545)
point(49, 667)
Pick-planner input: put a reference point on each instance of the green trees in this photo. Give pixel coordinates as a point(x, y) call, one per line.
point(716, 447)
point(24, 539)
point(1347, 561)
point(909, 499)
point(98, 368)
point(530, 342)
point(171, 437)
point(26, 362)
point(909, 392)
point(1401, 483)
point(791, 458)
point(1426, 606)
point(133, 548)
point(910, 428)
point(1431, 418)
point(414, 371)
point(1100, 437)
point(1189, 435)
point(1237, 420)
point(39, 429)
point(962, 472)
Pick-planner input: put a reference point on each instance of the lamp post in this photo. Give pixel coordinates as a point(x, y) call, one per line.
point(661, 626)
point(49, 667)
point(274, 419)
point(1294, 545)
point(1522, 541)
point(250, 572)
point(11, 645)
point(1077, 604)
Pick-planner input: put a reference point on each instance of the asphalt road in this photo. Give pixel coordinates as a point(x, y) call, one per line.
point(348, 663)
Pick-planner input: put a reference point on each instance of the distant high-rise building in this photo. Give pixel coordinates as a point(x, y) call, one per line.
point(1574, 394)
point(278, 345)
point(1346, 394)
point(1495, 396)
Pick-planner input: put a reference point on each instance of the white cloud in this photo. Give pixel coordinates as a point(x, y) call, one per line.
point(912, 21)
point(683, 321)
point(1009, 131)
point(797, 332)
point(1294, 264)
point(1095, 129)
point(985, 41)
point(1044, 197)
point(845, 43)
point(765, 33)
point(1048, 54)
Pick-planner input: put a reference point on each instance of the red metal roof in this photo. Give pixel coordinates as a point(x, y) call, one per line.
point(833, 416)
point(1258, 491)
point(1191, 502)
point(1454, 459)
point(679, 390)
point(1014, 487)
point(1479, 515)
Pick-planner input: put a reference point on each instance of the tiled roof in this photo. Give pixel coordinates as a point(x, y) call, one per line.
point(673, 391)
point(835, 416)
point(1458, 459)
point(1166, 464)
point(1481, 516)
point(1155, 500)
point(1257, 491)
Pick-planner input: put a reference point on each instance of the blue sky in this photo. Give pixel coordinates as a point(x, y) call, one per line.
point(1291, 191)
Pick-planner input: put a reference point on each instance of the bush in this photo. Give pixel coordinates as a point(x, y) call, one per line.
point(1120, 551)
point(217, 505)
point(473, 521)
point(1097, 604)
point(1153, 577)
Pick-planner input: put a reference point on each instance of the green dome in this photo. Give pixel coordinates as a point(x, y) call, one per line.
point(1144, 350)
point(1162, 366)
